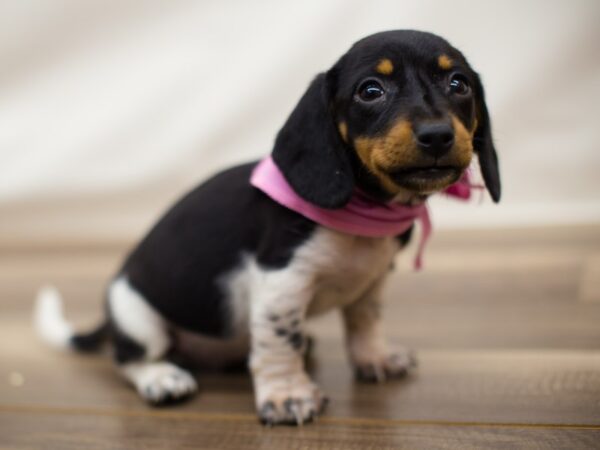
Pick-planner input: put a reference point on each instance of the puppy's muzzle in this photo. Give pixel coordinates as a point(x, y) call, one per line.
point(435, 164)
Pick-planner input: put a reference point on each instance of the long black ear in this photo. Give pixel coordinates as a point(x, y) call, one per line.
point(484, 146)
point(309, 150)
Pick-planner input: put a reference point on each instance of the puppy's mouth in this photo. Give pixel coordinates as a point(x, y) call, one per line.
point(422, 179)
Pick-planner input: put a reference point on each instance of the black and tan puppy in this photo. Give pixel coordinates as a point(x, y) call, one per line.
point(398, 118)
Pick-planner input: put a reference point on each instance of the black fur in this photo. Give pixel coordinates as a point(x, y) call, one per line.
point(404, 238)
point(296, 340)
point(125, 348)
point(180, 264)
point(309, 150)
point(91, 341)
point(484, 146)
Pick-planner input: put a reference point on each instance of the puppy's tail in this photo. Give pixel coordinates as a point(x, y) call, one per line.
point(54, 329)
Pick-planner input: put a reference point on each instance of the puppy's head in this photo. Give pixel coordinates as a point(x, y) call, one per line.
point(398, 116)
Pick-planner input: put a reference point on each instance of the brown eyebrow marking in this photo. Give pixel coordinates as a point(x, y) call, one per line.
point(343, 129)
point(385, 67)
point(444, 62)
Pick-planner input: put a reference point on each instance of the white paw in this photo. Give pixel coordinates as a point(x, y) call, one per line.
point(394, 364)
point(161, 382)
point(289, 403)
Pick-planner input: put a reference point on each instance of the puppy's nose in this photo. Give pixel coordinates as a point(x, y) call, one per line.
point(434, 138)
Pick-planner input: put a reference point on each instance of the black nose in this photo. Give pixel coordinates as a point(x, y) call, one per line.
point(435, 138)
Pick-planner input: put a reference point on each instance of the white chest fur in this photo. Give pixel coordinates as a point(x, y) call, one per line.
point(335, 268)
point(351, 265)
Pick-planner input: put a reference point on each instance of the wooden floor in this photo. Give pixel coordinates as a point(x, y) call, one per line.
point(506, 325)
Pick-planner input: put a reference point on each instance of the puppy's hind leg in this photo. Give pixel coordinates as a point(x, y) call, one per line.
point(141, 341)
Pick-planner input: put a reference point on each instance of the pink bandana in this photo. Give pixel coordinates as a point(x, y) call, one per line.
point(361, 215)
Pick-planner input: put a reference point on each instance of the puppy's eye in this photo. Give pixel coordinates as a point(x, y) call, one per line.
point(459, 85)
point(370, 90)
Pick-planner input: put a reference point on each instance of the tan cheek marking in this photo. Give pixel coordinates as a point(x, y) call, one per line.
point(343, 129)
point(444, 62)
point(463, 142)
point(363, 146)
point(385, 67)
point(395, 149)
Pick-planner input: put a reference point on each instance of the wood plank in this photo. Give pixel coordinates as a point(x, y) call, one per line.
point(580, 237)
point(589, 288)
point(575, 236)
point(76, 429)
point(526, 386)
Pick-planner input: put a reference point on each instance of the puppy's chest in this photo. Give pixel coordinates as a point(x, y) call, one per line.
point(334, 268)
point(346, 267)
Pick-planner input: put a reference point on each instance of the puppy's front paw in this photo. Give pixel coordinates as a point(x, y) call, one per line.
point(293, 405)
point(163, 383)
point(394, 364)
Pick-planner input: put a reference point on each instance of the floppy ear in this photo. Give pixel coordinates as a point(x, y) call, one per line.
point(484, 146)
point(309, 151)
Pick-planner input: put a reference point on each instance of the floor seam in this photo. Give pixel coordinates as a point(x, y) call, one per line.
point(236, 417)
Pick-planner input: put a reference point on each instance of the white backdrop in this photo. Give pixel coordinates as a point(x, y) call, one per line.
point(109, 110)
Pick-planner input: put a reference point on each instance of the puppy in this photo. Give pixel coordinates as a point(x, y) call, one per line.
point(247, 256)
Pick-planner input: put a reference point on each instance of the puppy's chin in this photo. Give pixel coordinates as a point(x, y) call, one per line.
point(426, 180)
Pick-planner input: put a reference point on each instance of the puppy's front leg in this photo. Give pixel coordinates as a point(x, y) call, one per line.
point(367, 349)
point(284, 393)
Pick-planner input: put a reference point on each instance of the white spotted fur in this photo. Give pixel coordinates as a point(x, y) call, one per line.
point(137, 319)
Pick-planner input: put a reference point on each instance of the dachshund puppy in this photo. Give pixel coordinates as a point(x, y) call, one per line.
point(243, 259)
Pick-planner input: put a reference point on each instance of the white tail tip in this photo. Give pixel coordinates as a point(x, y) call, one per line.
point(49, 320)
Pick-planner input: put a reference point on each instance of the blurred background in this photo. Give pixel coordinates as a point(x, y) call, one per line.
point(110, 110)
